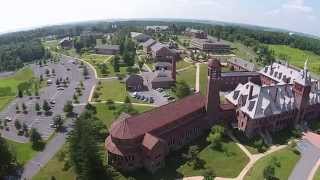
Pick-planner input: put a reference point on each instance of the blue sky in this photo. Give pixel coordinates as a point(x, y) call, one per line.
point(295, 15)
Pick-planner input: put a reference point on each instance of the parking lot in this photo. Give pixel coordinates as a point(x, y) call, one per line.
point(66, 68)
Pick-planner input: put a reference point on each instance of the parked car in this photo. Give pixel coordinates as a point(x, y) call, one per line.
point(60, 88)
point(8, 119)
point(151, 100)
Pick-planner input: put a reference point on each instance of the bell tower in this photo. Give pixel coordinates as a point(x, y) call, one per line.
point(302, 89)
point(213, 90)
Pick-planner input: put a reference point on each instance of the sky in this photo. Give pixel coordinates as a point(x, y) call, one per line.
point(295, 15)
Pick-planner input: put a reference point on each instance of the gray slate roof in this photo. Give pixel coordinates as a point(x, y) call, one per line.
point(148, 43)
point(107, 46)
point(243, 64)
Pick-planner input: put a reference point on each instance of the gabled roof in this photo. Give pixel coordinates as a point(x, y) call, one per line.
point(243, 64)
point(107, 46)
point(148, 43)
point(263, 101)
point(138, 125)
point(134, 79)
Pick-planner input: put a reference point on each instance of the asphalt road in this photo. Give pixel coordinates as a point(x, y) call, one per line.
point(309, 157)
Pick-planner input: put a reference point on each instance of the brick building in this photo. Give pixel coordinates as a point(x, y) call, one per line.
point(195, 33)
point(287, 98)
point(163, 53)
point(143, 141)
point(107, 49)
point(208, 45)
point(66, 43)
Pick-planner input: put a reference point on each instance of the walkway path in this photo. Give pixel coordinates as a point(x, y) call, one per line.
point(117, 102)
point(197, 86)
point(149, 69)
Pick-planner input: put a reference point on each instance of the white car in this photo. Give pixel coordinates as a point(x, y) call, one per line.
point(8, 119)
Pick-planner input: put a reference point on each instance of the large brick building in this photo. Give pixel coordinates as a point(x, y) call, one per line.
point(143, 141)
point(196, 33)
point(286, 98)
point(208, 45)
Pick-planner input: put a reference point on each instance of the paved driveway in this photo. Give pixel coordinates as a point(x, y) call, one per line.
point(309, 157)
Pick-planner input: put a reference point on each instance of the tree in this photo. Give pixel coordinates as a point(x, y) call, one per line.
point(85, 71)
point(140, 64)
point(20, 93)
point(45, 106)
point(115, 63)
point(17, 124)
point(84, 148)
point(127, 100)
point(215, 136)
point(58, 122)
point(36, 139)
point(8, 162)
point(24, 107)
point(68, 108)
point(182, 89)
point(269, 172)
point(192, 157)
point(37, 107)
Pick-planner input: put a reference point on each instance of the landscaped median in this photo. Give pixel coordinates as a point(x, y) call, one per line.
point(102, 64)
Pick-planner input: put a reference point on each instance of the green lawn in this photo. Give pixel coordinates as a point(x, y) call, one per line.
point(221, 162)
point(287, 159)
point(55, 168)
point(243, 51)
point(23, 151)
point(10, 84)
point(182, 64)
point(297, 57)
point(112, 89)
point(4, 101)
point(317, 175)
point(97, 59)
point(108, 116)
point(203, 78)
point(189, 76)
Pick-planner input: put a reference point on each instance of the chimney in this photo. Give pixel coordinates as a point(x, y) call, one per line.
point(250, 92)
point(173, 69)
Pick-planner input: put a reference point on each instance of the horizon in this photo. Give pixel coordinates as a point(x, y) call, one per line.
point(247, 12)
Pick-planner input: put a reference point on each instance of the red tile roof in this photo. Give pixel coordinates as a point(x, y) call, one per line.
point(136, 126)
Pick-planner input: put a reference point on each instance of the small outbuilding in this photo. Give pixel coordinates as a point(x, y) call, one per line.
point(107, 49)
point(134, 83)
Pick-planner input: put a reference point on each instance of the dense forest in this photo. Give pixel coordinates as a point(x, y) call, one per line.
point(22, 47)
point(14, 55)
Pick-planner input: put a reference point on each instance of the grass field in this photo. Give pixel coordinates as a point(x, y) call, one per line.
point(243, 51)
point(317, 175)
point(297, 57)
point(97, 59)
point(221, 163)
point(203, 78)
point(113, 89)
point(23, 151)
point(189, 76)
point(182, 64)
point(287, 159)
point(11, 83)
